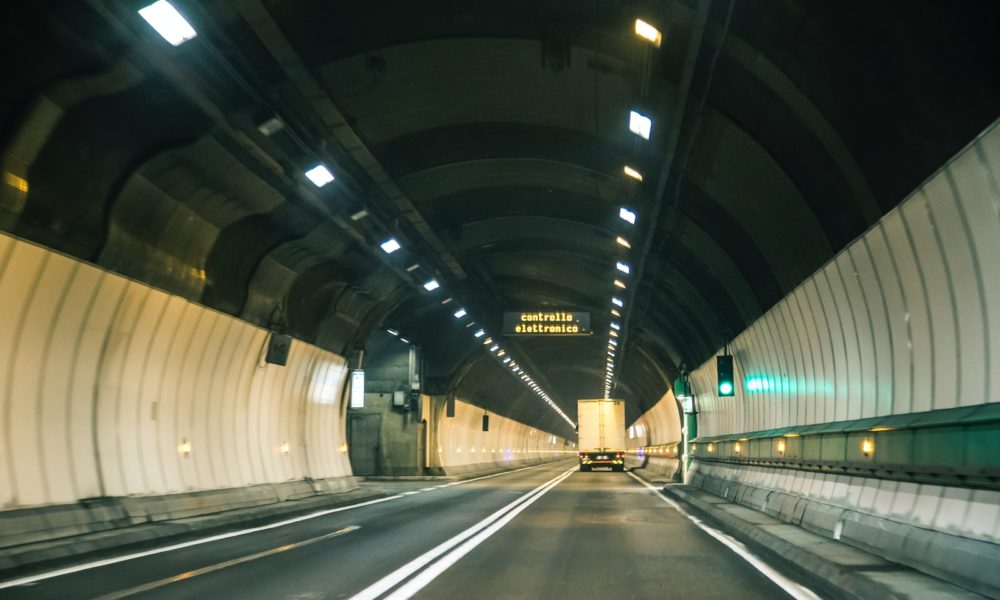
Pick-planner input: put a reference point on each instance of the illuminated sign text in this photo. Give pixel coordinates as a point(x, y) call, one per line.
point(546, 322)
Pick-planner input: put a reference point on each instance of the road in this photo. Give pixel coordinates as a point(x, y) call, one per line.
point(543, 532)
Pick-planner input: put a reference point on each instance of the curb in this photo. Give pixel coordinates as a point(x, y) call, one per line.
point(831, 568)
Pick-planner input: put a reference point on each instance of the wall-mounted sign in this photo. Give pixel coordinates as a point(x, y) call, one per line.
point(357, 389)
point(546, 322)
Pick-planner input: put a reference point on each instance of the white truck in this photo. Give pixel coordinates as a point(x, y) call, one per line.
point(601, 433)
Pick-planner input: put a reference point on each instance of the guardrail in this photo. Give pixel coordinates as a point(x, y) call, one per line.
point(955, 446)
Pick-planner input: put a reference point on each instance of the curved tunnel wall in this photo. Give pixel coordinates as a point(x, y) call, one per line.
point(905, 319)
point(461, 444)
point(103, 379)
point(653, 439)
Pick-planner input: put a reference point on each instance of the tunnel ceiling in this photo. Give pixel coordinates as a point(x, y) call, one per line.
point(490, 139)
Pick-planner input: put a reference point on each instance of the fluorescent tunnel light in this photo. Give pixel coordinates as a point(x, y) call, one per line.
point(164, 18)
point(319, 175)
point(640, 124)
point(390, 245)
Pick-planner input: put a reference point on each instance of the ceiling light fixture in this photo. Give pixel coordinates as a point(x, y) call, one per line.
point(479, 333)
point(633, 173)
point(431, 285)
point(627, 215)
point(361, 214)
point(460, 313)
point(164, 18)
point(640, 124)
point(390, 245)
point(319, 175)
point(617, 302)
point(623, 267)
point(648, 32)
point(623, 242)
point(620, 283)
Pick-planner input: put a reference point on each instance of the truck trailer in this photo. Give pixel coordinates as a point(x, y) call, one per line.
point(601, 433)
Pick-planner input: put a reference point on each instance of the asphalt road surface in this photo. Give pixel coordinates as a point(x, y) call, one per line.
point(544, 532)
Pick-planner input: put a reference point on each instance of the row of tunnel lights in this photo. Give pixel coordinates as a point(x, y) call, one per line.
point(494, 348)
point(176, 30)
point(642, 126)
point(867, 445)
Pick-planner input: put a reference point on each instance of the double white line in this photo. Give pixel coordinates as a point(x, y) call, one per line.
point(446, 554)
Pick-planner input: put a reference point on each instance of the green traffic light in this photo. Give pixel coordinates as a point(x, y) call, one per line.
point(725, 388)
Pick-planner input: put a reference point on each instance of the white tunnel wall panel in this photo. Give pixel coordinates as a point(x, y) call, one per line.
point(900, 321)
point(102, 379)
point(461, 442)
point(661, 424)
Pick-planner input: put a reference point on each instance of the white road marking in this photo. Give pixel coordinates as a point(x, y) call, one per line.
point(31, 579)
point(224, 565)
point(795, 590)
point(484, 529)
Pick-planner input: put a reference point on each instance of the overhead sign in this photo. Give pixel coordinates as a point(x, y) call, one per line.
point(546, 322)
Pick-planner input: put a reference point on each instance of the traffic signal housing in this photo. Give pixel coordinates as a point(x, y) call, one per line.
point(724, 370)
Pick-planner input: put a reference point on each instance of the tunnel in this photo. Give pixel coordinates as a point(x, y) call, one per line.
point(304, 299)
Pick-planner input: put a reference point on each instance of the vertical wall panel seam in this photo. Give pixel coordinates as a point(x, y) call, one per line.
point(217, 373)
point(228, 407)
point(190, 401)
point(810, 345)
point(771, 357)
point(9, 405)
point(96, 395)
point(808, 366)
point(244, 390)
point(756, 344)
point(909, 325)
point(295, 408)
point(927, 307)
point(863, 246)
point(256, 375)
point(304, 436)
point(853, 310)
point(833, 355)
point(871, 323)
point(119, 433)
point(843, 341)
point(160, 395)
point(787, 362)
point(71, 376)
point(206, 344)
point(142, 388)
point(42, 372)
point(5, 423)
point(296, 426)
point(788, 341)
point(977, 266)
point(951, 287)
